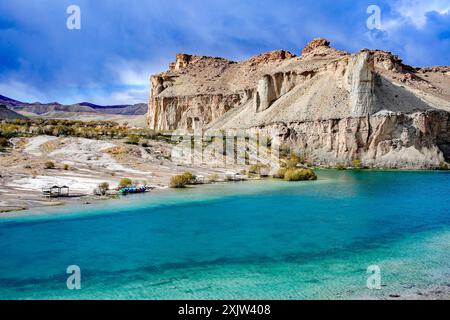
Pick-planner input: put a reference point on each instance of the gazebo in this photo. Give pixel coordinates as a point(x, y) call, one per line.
point(55, 191)
point(64, 191)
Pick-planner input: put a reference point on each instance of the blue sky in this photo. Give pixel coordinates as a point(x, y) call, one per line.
point(121, 42)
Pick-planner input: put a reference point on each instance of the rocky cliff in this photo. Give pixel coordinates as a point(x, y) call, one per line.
point(330, 105)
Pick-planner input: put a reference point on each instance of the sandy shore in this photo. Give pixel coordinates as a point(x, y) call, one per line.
point(82, 164)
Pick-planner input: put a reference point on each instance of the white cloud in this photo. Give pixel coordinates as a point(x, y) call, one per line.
point(130, 96)
point(20, 91)
point(415, 10)
point(136, 72)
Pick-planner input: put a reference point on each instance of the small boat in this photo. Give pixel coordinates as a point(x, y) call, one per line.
point(128, 190)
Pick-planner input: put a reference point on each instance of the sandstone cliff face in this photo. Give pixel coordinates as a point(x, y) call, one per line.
point(191, 112)
point(392, 140)
point(361, 81)
point(329, 105)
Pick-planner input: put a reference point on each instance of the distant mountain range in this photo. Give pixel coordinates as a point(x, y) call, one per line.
point(45, 108)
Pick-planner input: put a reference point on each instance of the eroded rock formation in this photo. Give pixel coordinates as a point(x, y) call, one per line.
point(361, 81)
point(328, 104)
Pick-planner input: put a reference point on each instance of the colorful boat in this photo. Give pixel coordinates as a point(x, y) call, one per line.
point(128, 190)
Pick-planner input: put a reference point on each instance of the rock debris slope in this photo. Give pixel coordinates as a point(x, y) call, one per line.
point(330, 105)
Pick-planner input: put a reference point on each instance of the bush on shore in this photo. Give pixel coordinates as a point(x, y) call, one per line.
point(341, 166)
point(182, 180)
point(295, 160)
point(356, 163)
point(125, 183)
point(179, 181)
point(443, 166)
point(299, 175)
point(103, 188)
point(189, 177)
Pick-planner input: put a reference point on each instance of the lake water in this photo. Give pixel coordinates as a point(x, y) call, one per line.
point(250, 240)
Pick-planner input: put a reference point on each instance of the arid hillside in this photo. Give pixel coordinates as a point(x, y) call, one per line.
point(6, 113)
point(133, 114)
point(329, 105)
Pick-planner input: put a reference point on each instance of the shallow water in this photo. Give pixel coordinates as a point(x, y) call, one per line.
point(264, 239)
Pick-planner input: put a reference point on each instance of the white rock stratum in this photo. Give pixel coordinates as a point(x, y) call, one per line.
point(329, 105)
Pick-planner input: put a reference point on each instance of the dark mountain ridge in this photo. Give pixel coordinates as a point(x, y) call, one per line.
point(41, 108)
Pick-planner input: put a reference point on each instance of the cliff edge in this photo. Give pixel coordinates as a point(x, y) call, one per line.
point(330, 105)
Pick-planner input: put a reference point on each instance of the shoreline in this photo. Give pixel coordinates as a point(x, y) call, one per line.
point(83, 164)
point(88, 199)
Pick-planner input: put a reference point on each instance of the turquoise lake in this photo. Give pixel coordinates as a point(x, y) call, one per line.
point(249, 240)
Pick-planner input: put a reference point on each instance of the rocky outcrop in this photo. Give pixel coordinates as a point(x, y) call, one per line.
point(386, 140)
point(183, 60)
point(272, 56)
point(265, 93)
point(191, 112)
point(320, 47)
point(272, 87)
point(316, 43)
point(198, 90)
point(361, 81)
point(327, 104)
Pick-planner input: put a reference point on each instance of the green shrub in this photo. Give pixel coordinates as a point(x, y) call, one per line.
point(341, 166)
point(133, 139)
point(3, 143)
point(356, 163)
point(49, 165)
point(291, 163)
point(182, 180)
point(443, 166)
point(103, 188)
point(179, 181)
point(299, 175)
point(66, 167)
point(125, 182)
point(10, 128)
point(280, 173)
point(190, 177)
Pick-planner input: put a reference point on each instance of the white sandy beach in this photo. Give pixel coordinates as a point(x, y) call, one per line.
point(82, 164)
